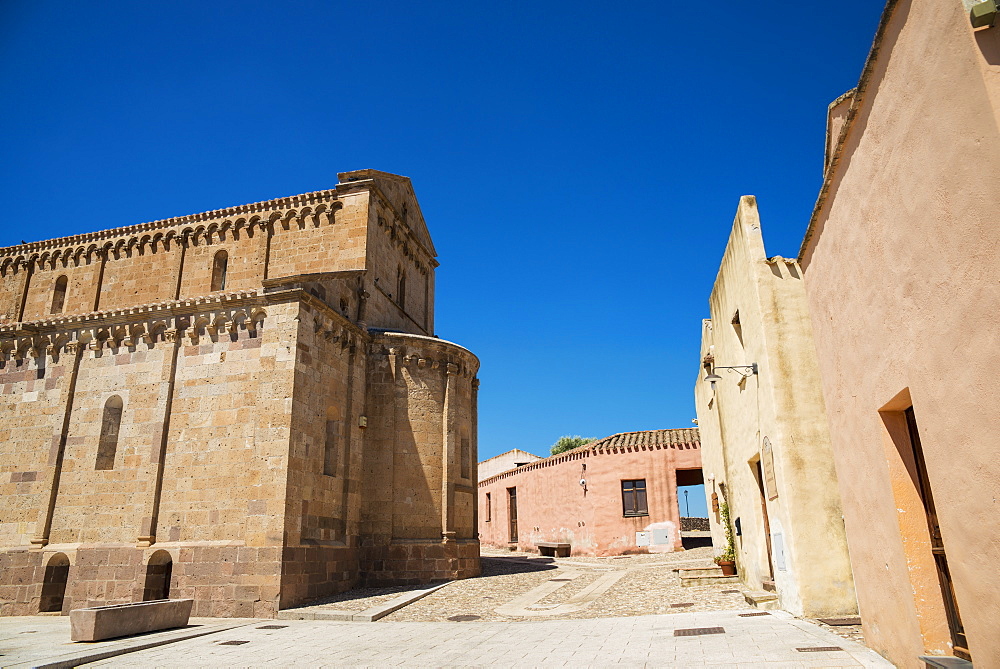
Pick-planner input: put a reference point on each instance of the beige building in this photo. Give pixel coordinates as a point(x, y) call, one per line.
point(765, 444)
point(501, 463)
point(246, 406)
point(902, 272)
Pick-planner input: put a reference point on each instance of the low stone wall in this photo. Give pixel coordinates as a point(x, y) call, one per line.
point(694, 524)
point(415, 563)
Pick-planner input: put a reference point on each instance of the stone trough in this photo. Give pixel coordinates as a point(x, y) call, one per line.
point(107, 622)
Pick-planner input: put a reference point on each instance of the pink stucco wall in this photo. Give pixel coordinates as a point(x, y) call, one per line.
point(902, 271)
point(553, 506)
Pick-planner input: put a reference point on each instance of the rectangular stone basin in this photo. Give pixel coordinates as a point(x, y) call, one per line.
point(108, 622)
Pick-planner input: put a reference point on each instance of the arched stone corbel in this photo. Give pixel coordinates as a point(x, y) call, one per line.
point(451, 368)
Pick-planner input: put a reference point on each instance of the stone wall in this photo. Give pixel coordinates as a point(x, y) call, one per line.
point(255, 438)
point(422, 427)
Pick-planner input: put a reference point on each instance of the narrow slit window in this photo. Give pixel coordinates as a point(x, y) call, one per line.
point(489, 508)
point(331, 448)
point(219, 265)
point(59, 295)
point(401, 288)
point(110, 427)
point(466, 459)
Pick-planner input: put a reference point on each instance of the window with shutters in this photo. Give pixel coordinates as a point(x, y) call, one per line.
point(634, 498)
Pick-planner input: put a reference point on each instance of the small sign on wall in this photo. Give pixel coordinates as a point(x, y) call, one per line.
point(778, 548)
point(767, 462)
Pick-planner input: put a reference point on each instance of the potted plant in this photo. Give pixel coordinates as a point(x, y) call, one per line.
point(727, 559)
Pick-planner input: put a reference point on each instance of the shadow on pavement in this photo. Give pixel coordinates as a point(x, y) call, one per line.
point(493, 566)
point(695, 542)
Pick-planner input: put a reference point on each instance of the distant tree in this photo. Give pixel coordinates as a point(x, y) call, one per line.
point(568, 443)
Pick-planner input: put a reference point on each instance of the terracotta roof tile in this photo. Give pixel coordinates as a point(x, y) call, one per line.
point(646, 439)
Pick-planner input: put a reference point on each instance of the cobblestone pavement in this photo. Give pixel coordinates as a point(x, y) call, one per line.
point(637, 641)
point(650, 585)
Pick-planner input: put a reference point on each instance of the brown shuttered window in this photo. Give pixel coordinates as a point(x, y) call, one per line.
point(634, 498)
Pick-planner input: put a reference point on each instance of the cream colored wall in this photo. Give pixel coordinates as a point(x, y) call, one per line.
point(783, 404)
point(902, 273)
point(503, 462)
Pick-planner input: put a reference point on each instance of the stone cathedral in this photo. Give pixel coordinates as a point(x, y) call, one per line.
point(247, 407)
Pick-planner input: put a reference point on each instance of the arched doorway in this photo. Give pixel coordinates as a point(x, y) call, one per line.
point(54, 584)
point(158, 570)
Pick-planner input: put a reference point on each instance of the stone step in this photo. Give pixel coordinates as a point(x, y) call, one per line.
point(708, 580)
point(761, 599)
point(699, 571)
point(769, 586)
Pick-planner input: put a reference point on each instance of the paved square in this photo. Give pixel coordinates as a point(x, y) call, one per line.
point(765, 641)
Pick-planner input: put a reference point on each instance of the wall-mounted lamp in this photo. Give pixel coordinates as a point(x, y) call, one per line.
point(743, 370)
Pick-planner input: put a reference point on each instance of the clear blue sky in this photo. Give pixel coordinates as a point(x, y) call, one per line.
point(579, 164)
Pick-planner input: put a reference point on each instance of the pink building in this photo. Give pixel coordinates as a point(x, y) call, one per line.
point(617, 495)
point(902, 273)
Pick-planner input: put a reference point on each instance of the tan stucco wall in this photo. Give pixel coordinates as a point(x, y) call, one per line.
point(782, 404)
point(902, 271)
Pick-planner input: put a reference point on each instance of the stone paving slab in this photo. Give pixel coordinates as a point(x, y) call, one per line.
point(43, 641)
point(639, 641)
point(380, 609)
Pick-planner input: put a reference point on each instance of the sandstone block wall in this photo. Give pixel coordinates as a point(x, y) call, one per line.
point(254, 438)
point(423, 392)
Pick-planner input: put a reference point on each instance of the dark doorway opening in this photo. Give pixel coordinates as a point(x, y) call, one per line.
point(959, 640)
point(158, 572)
point(758, 473)
point(54, 584)
point(512, 513)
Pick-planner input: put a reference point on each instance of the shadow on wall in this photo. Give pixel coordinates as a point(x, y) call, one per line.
point(989, 44)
